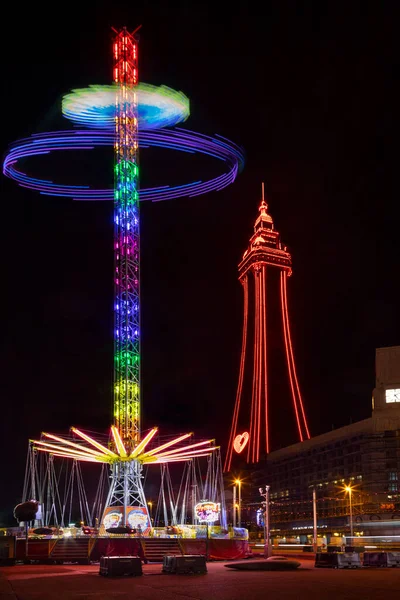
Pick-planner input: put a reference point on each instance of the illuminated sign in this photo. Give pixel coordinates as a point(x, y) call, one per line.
point(136, 517)
point(207, 512)
point(388, 506)
point(392, 395)
point(240, 442)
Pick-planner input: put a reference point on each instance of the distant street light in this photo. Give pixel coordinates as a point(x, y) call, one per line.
point(239, 484)
point(265, 495)
point(315, 534)
point(349, 490)
point(234, 506)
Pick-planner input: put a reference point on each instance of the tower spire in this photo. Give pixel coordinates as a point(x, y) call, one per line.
point(264, 220)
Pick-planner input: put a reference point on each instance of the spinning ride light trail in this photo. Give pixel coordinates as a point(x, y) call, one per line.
point(114, 114)
point(156, 106)
point(177, 140)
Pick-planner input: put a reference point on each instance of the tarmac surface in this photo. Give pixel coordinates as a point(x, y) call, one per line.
point(77, 582)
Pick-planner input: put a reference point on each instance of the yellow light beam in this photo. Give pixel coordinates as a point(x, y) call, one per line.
point(82, 452)
point(118, 442)
point(142, 445)
point(168, 444)
point(86, 458)
point(186, 447)
point(166, 454)
point(179, 458)
point(94, 443)
point(68, 443)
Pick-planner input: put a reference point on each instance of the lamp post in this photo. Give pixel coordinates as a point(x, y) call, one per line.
point(239, 484)
point(234, 505)
point(265, 494)
point(315, 538)
point(349, 490)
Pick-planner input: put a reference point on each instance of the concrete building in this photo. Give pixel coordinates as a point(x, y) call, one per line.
point(364, 456)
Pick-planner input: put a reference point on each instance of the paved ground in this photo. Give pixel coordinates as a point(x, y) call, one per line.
point(74, 582)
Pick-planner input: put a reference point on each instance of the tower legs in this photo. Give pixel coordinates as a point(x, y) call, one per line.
point(228, 458)
point(126, 502)
point(294, 384)
point(259, 399)
point(258, 419)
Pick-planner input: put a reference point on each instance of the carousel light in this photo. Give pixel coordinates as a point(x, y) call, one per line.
point(94, 443)
point(142, 445)
point(118, 442)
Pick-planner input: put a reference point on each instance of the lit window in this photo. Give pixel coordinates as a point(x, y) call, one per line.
point(392, 487)
point(393, 476)
point(392, 395)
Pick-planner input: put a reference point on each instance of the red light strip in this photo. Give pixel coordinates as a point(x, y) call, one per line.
point(260, 373)
point(252, 445)
point(264, 311)
point(291, 354)
point(251, 441)
point(228, 459)
point(288, 356)
point(258, 388)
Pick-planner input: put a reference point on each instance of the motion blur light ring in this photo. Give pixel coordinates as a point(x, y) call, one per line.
point(157, 106)
point(180, 140)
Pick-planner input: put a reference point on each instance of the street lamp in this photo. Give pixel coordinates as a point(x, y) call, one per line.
point(265, 494)
point(234, 506)
point(349, 490)
point(315, 531)
point(150, 504)
point(239, 484)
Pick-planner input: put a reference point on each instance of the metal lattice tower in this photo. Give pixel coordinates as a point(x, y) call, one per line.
point(128, 451)
point(126, 477)
point(126, 241)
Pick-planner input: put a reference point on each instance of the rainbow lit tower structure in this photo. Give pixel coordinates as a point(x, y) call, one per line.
point(128, 451)
point(126, 488)
point(265, 252)
point(121, 115)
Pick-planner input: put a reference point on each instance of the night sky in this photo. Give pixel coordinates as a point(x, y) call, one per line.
point(308, 90)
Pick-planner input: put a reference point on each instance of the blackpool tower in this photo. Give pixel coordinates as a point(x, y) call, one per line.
point(264, 259)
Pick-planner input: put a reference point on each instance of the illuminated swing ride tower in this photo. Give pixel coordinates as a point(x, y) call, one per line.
point(265, 252)
point(126, 488)
point(124, 115)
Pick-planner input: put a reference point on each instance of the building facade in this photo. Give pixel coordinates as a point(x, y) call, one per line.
point(363, 456)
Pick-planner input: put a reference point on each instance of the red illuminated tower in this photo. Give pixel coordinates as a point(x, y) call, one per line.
point(265, 252)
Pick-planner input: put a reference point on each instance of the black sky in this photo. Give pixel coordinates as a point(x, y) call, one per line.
point(308, 89)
